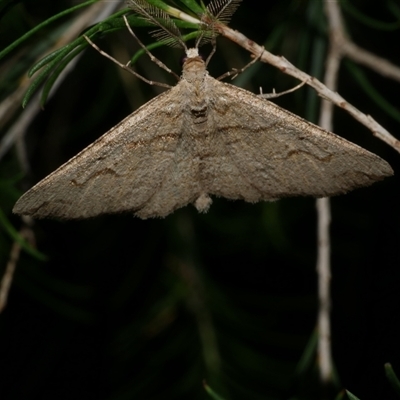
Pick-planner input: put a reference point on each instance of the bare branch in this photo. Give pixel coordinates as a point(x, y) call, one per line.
point(324, 350)
point(348, 48)
point(6, 280)
point(288, 68)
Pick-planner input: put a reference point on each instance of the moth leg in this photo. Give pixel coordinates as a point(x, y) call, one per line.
point(126, 67)
point(273, 95)
point(214, 48)
point(235, 72)
point(152, 58)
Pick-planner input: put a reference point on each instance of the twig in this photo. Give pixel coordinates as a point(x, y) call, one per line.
point(372, 61)
point(288, 68)
point(324, 350)
point(348, 48)
point(324, 216)
point(7, 278)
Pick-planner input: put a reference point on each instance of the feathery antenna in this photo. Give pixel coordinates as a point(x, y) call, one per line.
point(216, 11)
point(168, 32)
point(222, 10)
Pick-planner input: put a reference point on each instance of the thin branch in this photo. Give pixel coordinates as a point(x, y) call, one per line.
point(334, 58)
point(356, 53)
point(372, 61)
point(7, 278)
point(324, 215)
point(324, 350)
point(285, 66)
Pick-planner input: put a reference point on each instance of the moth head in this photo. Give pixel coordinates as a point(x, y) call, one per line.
point(192, 53)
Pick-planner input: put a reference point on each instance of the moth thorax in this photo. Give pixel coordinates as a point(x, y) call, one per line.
point(194, 69)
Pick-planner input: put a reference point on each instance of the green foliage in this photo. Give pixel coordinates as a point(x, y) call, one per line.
point(211, 392)
point(8, 227)
point(54, 63)
point(392, 378)
point(351, 396)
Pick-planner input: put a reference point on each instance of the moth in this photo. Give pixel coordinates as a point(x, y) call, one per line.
point(199, 139)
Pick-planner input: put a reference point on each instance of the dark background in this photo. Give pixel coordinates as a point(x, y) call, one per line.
point(132, 309)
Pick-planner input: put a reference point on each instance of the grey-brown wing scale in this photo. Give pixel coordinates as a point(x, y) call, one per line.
point(123, 170)
point(272, 153)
